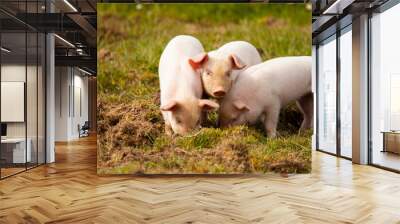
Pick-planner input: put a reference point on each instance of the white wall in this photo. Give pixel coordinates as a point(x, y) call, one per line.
point(9, 73)
point(70, 83)
point(62, 81)
point(80, 89)
point(14, 72)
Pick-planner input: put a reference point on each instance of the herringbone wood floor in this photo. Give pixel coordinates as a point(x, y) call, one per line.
point(69, 191)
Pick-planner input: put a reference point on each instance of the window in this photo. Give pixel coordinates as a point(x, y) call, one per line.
point(346, 75)
point(327, 95)
point(22, 77)
point(385, 89)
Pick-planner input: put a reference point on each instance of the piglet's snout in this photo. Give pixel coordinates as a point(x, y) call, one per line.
point(220, 92)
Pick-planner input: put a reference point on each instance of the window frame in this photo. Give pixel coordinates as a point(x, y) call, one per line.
point(381, 9)
point(346, 23)
point(27, 29)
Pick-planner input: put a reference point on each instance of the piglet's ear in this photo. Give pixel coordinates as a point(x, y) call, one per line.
point(236, 62)
point(241, 106)
point(170, 106)
point(197, 61)
point(208, 105)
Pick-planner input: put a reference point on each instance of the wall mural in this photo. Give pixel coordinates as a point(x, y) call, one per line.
point(204, 88)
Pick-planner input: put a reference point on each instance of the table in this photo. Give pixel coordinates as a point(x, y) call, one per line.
point(391, 141)
point(13, 150)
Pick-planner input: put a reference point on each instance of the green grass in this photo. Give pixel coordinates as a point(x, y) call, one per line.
point(130, 42)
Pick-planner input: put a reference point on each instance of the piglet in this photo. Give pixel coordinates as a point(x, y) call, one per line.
point(262, 90)
point(180, 85)
point(225, 64)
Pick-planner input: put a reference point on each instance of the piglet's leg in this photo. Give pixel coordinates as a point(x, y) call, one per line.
point(305, 105)
point(271, 120)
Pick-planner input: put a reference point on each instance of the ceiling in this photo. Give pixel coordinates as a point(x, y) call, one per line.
point(332, 15)
point(74, 22)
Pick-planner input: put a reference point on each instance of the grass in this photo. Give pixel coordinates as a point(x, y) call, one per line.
point(130, 132)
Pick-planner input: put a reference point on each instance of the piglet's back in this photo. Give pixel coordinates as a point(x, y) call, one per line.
point(283, 69)
point(180, 47)
point(178, 50)
point(288, 77)
point(291, 76)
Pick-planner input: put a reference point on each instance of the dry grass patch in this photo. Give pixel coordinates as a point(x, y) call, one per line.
point(131, 140)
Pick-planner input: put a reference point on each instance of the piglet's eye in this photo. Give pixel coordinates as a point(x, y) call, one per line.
point(208, 72)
